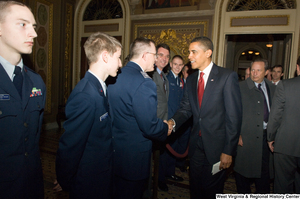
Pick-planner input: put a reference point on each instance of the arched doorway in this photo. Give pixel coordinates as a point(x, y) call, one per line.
point(111, 17)
point(241, 18)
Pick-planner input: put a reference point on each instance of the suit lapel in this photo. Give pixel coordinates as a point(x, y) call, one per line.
point(166, 83)
point(269, 95)
point(210, 84)
point(194, 83)
point(160, 81)
point(7, 85)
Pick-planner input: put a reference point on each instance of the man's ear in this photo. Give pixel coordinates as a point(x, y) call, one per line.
point(298, 70)
point(267, 72)
point(208, 53)
point(104, 56)
point(144, 57)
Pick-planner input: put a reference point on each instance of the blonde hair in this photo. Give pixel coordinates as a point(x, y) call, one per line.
point(5, 8)
point(99, 42)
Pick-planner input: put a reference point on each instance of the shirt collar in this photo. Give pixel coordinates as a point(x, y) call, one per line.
point(157, 69)
point(207, 70)
point(262, 84)
point(101, 82)
point(138, 65)
point(174, 75)
point(9, 68)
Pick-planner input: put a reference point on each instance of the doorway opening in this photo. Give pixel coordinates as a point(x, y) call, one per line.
point(241, 50)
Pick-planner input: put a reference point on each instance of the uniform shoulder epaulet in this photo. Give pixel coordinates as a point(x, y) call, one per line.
point(145, 75)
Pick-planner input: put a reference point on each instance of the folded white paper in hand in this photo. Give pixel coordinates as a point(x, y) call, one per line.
point(216, 168)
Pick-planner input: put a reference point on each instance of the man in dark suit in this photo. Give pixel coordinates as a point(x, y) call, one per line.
point(253, 154)
point(217, 112)
point(283, 134)
point(84, 156)
point(22, 101)
point(162, 88)
point(133, 105)
point(277, 74)
point(161, 81)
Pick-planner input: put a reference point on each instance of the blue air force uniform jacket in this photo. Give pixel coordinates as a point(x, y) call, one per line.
point(133, 108)
point(175, 95)
point(83, 162)
point(20, 126)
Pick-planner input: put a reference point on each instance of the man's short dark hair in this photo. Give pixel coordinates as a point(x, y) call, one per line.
point(261, 60)
point(205, 42)
point(138, 45)
point(177, 56)
point(163, 45)
point(278, 66)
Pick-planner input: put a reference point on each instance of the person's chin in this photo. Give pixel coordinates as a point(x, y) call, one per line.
point(114, 74)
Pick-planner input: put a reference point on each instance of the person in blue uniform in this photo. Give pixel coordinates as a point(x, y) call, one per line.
point(22, 101)
point(133, 108)
point(179, 140)
point(84, 156)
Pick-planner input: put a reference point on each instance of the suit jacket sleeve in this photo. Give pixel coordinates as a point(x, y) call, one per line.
point(276, 112)
point(80, 117)
point(144, 100)
point(233, 115)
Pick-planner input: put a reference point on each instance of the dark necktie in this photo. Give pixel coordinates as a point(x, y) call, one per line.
point(200, 91)
point(18, 79)
point(164, 84)
point(266, 110)
point(200, 88)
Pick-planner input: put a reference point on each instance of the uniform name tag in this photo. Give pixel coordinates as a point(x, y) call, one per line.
point(103, 117)
point(4, 97)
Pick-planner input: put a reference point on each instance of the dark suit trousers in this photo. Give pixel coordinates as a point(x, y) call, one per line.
point(202, 183)
point(286, 173)
point(262, 184)
point(128, 189)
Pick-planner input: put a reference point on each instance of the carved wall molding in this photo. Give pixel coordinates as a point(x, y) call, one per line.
point(173, 15)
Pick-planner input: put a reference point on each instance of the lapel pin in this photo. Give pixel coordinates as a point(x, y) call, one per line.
point(212, 80)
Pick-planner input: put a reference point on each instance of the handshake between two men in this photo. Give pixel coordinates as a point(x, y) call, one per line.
point(170, 124)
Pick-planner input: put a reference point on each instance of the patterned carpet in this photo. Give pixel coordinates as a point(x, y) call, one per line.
point(49, 144)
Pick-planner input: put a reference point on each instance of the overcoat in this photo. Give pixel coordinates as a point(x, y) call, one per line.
point(249, 156)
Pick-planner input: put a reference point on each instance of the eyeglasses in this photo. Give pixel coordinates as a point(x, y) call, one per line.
point(162, 55)
point(155, 55)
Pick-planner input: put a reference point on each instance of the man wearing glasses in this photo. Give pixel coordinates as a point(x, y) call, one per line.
point(162, 85)
point(132, 104)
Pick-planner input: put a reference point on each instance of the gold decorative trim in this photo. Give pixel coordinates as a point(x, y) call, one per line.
point(68, 45)
point(49, 60)
point(205, 23)
point(260, 17)
point(177, 38)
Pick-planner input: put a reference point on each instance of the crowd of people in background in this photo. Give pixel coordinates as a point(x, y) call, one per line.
point(112, 131)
